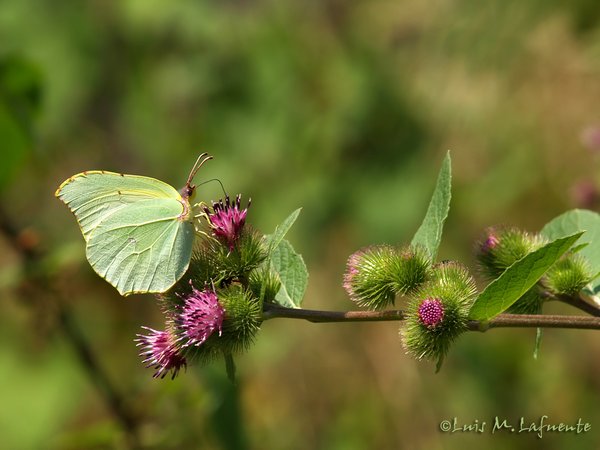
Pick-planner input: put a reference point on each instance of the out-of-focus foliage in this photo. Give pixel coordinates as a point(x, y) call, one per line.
point(343, 107)
point(20, 92)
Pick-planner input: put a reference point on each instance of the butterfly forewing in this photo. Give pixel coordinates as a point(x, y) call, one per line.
point(94, 195)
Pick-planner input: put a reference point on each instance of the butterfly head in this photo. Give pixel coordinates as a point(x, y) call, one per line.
point(189, 190)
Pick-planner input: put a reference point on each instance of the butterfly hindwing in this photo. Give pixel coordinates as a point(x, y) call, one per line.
point(143, 248)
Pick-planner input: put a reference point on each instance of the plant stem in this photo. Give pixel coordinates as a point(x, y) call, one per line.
point(537, 321)
point(312, 315)
point(579, 303)
point(502, 321)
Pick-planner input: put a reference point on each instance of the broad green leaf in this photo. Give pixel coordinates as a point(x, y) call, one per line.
point(429, 234)
point(281, 230)
point(292, 272)
point(501, 293)
point(579, 220)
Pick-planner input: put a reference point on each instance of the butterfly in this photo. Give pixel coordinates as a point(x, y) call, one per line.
point(139, 231)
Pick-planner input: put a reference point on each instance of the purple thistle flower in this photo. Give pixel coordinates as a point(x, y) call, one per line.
point(431, 312)
point(227, 220)
point(159, 351)
point(201, 315)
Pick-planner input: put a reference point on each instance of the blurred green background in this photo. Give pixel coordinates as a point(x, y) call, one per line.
point(342, 107)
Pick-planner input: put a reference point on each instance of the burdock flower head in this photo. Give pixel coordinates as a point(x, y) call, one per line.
point(201, 315)
point(160, 351)
point(431, 312)
point(438, 312)
point(227, 220)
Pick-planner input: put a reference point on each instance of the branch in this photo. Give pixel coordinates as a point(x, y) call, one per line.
point(579, 303)
point(272, 311)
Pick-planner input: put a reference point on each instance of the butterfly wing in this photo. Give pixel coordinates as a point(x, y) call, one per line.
point(96, 194)
point(136, 229)
point(145, 247)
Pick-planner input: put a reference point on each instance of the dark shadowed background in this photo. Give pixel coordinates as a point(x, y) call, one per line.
point(345, 108)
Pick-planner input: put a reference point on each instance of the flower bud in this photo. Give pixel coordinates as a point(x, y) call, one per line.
point(367, 279)
point(264, 284)
point(375, 275)
point(501, 247)
point(246, 256)
point(569, 275)
point(438, 312)
point(411, 269)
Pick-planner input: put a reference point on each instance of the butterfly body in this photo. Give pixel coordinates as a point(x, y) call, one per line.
point(139, 231)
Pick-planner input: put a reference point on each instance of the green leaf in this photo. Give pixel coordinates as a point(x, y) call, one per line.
point(292, 272)
point(281, 230)
point(501, 293)
point(579, 220)
point(429, 234)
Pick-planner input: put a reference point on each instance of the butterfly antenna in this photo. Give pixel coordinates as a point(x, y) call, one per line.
point(199, 162)
point(218, 181)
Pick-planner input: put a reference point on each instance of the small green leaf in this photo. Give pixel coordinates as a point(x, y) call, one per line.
point(501, 293)
point(292, 272)
point(429, 234)
point(281, 230)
